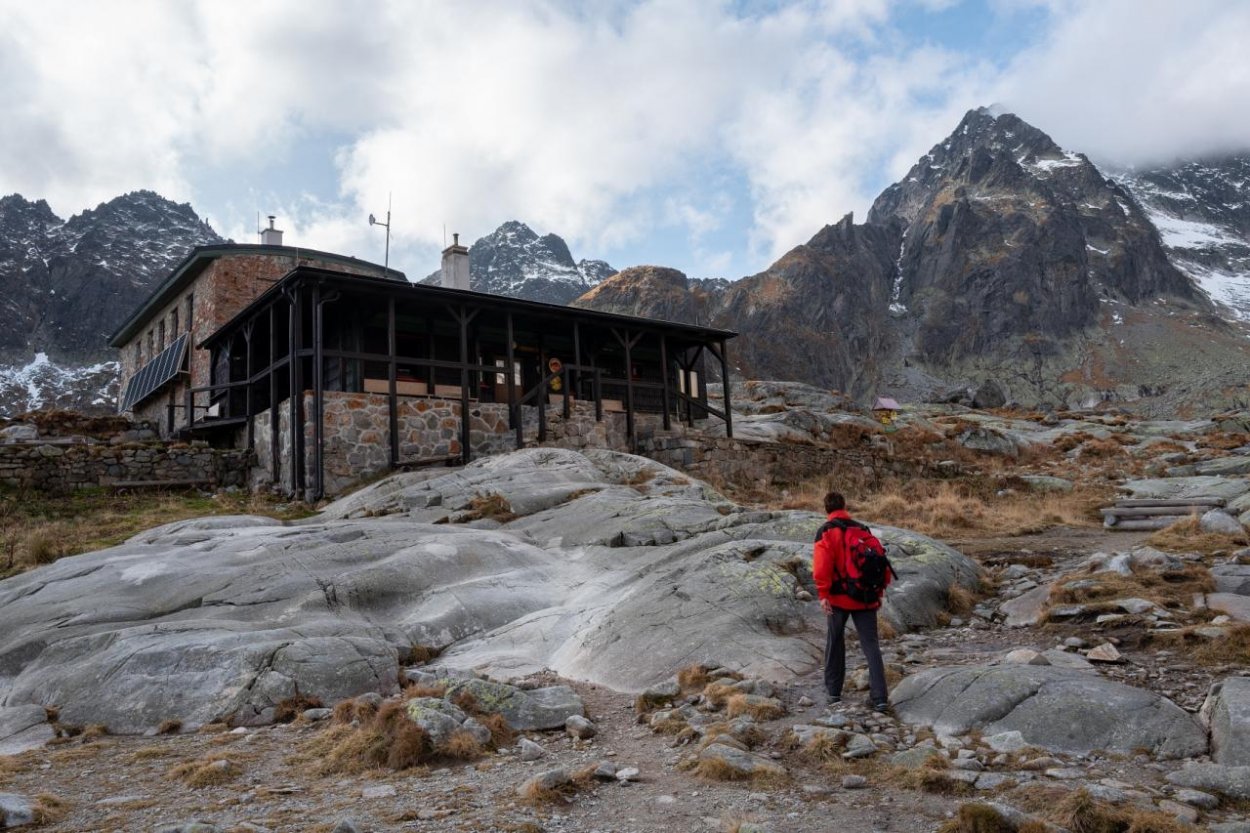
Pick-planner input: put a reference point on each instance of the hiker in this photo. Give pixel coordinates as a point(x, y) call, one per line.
point(851, 574)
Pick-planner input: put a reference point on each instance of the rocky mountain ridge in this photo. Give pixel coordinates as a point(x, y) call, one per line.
point(514, 260)
point(67, 284)
point(999, 259)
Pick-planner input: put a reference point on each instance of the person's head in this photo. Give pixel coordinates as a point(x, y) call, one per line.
point(834, 502)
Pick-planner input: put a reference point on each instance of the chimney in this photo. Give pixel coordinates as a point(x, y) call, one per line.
point(271, 236)
point(456, 265)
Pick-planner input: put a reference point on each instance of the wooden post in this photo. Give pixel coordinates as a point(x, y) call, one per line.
point(629, 395)
point(724, 378)
point(296, 405)
point(465, 453)
point(248, 329)
point(577, 355)
point(318, 397)
point(275, 459)
point(664, 373)
point(514, 410)
point(392, 377)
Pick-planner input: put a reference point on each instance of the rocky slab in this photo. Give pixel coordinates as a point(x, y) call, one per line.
point(617, 571)
point(23, 728)
point(1060, 709)
point(1184, 488)
point(1226, 712)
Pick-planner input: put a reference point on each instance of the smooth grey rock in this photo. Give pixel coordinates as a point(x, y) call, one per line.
point(530, 751)
point(991, 780)
point(439, 718)
point(1026, 610)
point(1230, 466)
point(346, 825)
point(628, 774)
point(854, 782)
point(579, 727)
point(207, 827)
point(23, 728)
point(1220, 522)
point(317, 714)
point(859, 746)
point(1183, 812)
point(20, 433)
point(1229, 827)
point(378, 791)
point(741, 762)
point(549, 780)
point(1232, 578)
point(479, 732)
point(1226, 713)
point(805, 734)
point(525, 711)
point(1047, 483)
point(1197, 798)
point(1170, 488)
point(1234, 606)
point(1012, 741)
point(587, 581)
point(1232, 781)
point(16, 810)
point(1054, 708)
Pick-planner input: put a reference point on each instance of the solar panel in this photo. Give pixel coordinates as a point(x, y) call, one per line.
point(155, 373)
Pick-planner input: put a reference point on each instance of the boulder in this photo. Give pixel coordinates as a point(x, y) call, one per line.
point(1233, 605)
point(16, 810)
point(1047, 483)
point(1174, 488)
point(1232, 781)
point(20, 433)
point(1055, 708)
point(990, 394)
point(23, 728)
point(1026, 609)
point(525, 711)
point(1219, 522)
point(1232, 578)
point(439, 718)
point(1226, 713)
point(738, 763)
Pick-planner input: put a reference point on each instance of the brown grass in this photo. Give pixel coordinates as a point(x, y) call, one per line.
point(461, 746)
point(693, 678)
point(357, 711)
point(491, 505)
point(975, 817)
point(1222, 441)
point(418, 655)
point(501, 734)
point(94, 731)
point(1187, 536)
point(414, 690)
point(206, 772)
point(292, 707)
point(1169, 588)
point(1109, 447)
point(48, 809)
point(714, 769)
point(946, 508)
point(960, 600)
point(718, 693)
point(37, 528)
point(740, 704)
point(1080, 812)
point(169, 727)
point(1231, 649)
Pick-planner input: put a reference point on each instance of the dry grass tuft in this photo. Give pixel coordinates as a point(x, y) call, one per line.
point(169, 727)
point(292, 707)
point(742, 704)
point(48, 809)
point(1223, 442)
point(94, 731)
point(206, 772)
point(418, 655)
point(1187, 536)
point(501, 734)
point(414, 690)
point(1170, 588)
point(460, 746)
point(693, 678)
point(946, 508)
point(975, 817)
point(718, 693)
point(714, 769)
point(492, 505)
point(386, 739)
point(960, 600)
point(1080, 812)
point(356, 711)
point(1233, 648)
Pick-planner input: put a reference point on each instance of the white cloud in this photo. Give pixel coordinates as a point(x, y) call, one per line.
point(598, 121)
point(1139, 80)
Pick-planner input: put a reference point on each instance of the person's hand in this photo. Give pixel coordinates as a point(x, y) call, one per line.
point(826, 607)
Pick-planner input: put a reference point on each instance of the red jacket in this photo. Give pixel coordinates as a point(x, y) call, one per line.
point(829, 559)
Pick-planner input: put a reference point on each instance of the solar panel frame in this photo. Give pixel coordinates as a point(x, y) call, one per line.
point(156, 373)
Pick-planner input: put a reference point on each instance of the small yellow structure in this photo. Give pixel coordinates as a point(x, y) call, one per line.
point(885, 410)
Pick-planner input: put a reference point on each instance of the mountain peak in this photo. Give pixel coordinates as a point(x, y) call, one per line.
point(514, 260)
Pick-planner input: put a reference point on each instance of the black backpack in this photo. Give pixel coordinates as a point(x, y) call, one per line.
point(868, 562)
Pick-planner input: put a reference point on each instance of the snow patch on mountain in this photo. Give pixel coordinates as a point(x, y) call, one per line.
point(41, 383)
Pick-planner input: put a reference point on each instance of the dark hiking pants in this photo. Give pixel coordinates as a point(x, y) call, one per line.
point(835, 652)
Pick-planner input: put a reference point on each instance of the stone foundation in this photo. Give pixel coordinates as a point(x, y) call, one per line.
point(61, 467)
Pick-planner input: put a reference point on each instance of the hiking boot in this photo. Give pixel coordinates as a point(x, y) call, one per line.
point(879, 706)
point(833, 699)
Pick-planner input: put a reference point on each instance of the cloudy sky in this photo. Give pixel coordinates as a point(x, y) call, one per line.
point(710, 136)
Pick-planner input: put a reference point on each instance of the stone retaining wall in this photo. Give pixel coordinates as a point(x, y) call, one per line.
point(61, 467)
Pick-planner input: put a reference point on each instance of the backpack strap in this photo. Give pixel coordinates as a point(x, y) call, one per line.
point(839, 523)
